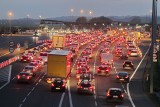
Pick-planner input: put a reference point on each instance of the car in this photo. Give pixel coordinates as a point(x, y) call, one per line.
point(43, 56)
point(32, 52)
point(35, 64)
point(114, 95)
point(85, 66)
point(86, 76)
point(39, 62)
point(128, 65)
point(80, 71)
point(24, 77)
point(122, 76)
point(85, 86)
point(26, 58)
point(133, 53)
point(32, 68)
point(104, 69)
point(58, 84)
point(124, 56)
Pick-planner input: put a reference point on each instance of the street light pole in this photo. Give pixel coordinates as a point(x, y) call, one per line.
point(10, 14)
point(154, 27)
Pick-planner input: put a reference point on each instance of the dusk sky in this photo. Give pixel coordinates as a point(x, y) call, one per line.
point(56, 8)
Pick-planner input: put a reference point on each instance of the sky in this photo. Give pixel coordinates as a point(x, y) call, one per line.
point(58, 8)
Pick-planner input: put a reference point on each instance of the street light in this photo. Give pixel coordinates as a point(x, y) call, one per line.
point(10, 14)
point(28, 20)
point(90, 12)
point(81, 11)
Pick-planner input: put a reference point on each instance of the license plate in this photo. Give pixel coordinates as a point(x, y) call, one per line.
point(57, 88)
point(85, 88)
point(24, 60)
point(115, 96)
point(102, 70)
point(127, 65)
point(121, 79)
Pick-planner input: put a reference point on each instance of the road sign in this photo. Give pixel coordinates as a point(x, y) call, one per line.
point(11, 49)
point(155, 55)
point(11, 43)
point(18, 45)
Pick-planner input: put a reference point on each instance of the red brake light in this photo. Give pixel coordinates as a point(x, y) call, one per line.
point(18, 76)
point(63, 85)
point(90, 87)
point(108, 94)
point(117, 76)
point(126, 77)
point(122, 95)
point(28, 77)
point(52, 85)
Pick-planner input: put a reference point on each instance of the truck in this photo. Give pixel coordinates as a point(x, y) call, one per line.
point(59, 65)
point(59, 41)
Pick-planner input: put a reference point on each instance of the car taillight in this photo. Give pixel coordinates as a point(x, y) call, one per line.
point(98, 69)
point(107, 70)
point(108, 94)
point(80, 87)
point(122, 95)
point(90, 87)
point(126, 77)
point(28, 77)
point(18, 77)
point(117, 76)
point(52, 85)
point(63, 85)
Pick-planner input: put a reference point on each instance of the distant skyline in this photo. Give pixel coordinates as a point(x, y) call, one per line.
point(57, 8)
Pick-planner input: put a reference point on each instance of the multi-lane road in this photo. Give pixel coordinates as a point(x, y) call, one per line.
point(38, 94)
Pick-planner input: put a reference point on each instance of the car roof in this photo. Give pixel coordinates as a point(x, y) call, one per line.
point(122, 72)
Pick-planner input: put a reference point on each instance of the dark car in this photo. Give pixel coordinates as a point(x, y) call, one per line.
point(128, 65)
point(24, 77)
point(122, 76)
point(58, 85)
point(85, 86)
point(114, 95)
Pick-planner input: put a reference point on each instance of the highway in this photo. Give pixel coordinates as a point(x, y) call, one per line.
point(38, 94)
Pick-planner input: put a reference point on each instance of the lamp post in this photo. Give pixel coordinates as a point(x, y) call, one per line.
point(10, 14)
point(28, 20)
point(153, 42)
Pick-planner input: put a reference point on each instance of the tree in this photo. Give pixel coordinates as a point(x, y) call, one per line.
point(81, 20)
point(101, 20)
point(136, 20)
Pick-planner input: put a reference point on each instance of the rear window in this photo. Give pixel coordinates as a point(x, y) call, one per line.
point(58, 82)
point(127, 62)
point(122, 74)
point(25, 74)
point(115, 92)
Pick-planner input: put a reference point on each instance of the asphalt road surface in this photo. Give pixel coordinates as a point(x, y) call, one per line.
point(38, 94)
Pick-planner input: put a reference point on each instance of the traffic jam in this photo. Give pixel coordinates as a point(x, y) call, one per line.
point(81, 59)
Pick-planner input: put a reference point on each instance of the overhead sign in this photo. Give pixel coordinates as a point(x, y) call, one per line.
point(11, 49)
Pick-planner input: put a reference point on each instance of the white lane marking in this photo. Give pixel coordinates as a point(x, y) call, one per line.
point(130, 98)
point(33, 88)
point(13, 78)
point(69, 93)
point(40, 80)
point(29, 93)
point(4, 85)
point(61, 101)
point(24, 100)
point(36, 83)
point(20, 105)
point(95, 103)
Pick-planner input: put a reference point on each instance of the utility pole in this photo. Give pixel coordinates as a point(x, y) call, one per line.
point(153, 43)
